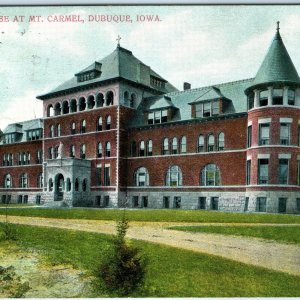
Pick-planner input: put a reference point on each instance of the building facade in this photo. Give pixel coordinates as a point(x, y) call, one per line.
point(118, 134)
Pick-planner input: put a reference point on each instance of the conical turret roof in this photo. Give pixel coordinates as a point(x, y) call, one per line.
point(277, 65)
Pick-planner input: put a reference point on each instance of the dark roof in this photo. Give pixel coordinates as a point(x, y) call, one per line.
point(121, 63)
point(277, 65)
point(232, 91)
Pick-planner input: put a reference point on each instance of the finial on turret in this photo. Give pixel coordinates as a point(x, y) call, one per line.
point(118, 39)
point(278, 26)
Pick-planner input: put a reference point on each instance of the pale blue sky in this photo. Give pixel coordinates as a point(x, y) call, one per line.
point(200, 44)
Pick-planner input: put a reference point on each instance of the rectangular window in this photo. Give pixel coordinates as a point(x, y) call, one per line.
point(151, 118)
point(25, 201)
point(264, 134)
point(299, 135)
point(248, 172)
point(177, 202)
point(298, 172)
point(250, 101)
point(263, 171)
point(144, 201)
point(206, 109)
point(107, 175)
point(263, 98)
point(214, 203)
point(298, 204)
point(291, 97)
point(285, 133)
point(277, 96)
point(198, 108)
point(283, 171)
point(249, 136)
point(166, 202)
point(282, 205)
point(246, 204)
point(215, 108)
point(106, 201)
point(261, 204)
point(98, 175)
point(164, 116)
point(98, 201)
point(135, 201)
point(157, 116)
point(202, 202)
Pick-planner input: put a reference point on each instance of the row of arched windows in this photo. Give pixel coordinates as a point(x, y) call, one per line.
point(142, 149)
point(174, 145)
point(210, 143)
point(130, 100)
point(23, 181)
point(55, 130)
point(209, 176)
point(80, 104)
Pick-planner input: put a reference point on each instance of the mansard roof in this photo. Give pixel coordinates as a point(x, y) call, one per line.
point(159, 103)
point(121, 63)
point(277, 65)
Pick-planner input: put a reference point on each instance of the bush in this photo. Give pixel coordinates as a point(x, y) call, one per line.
point(123, 271)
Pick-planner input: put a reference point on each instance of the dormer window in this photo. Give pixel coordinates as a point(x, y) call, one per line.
point(277, 96)
point(33, 135)
point(157, 117)
point(291, 97)
point(207, 109)
point(156, 82)
point(90, 73)
point(9, 138)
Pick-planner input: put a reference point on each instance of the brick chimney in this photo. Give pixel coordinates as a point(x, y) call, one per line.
point(186, 86)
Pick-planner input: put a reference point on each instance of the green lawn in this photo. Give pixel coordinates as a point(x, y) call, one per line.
point(282, 234)
point(154, 215)
point(171, 272)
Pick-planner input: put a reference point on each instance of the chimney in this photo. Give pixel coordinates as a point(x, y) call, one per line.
point(186, 86)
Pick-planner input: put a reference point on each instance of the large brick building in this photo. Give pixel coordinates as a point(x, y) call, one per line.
point(118, 134)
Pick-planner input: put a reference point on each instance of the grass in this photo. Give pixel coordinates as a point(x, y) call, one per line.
point(154, 215)
point(283, 234)
point(171, 272)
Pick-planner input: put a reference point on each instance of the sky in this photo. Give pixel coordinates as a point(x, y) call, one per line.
point(203, 45)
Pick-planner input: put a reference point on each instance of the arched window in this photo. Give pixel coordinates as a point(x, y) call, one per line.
point(141, 177)
point(58, 130)
point(73, 106)
point(56, 151)
point(100, 100)
point(99, 150)
point(72, 151)
point(174, 176)
point(99, 124)
point(50, 153)
point(68, 185)
point(133, 100)
point(76, 185)
point(50, 185)
point(142, 148)
point(211, 143)
point(65, 107)
point(82, 151)
point(149, 148)
point(51, 131)
point(133, 148)
point(7, 181)
point(126, 98)
point(57, 109)
point(210, 175)
point(84, 185)
point(50, 111)
point(109, 98)
point(107, 149)
point(200, 147)
point(91, 102)
point(183, 144)
point(40, 180)
point(165, 146)
point(82, 104)
point(24, 180)
point(83, 126)
point(221, 141)
point(108, 123)
point(73, 128)
point(174, 145)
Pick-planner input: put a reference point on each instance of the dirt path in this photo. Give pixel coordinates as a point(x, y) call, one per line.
point(254, 251)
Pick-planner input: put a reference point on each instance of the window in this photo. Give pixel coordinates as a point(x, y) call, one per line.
point(285, 133)
point(299, 135)
point(40, 180)
point(107, 149)
point(277, 96)
point(99, 175)
point(24, 181)
point(283, 171)
point(214, 203)
point(7, 181)
point(76, 185)
point(65, 107)
point(39, 157)
point(98, 201)
point(261, 204)
point(106, 201)
point(133, 100)
point(83, 126)
point(298, 204)
point(206, 109)
point(282, 205)
point(183, 144)
point(249, 136)
point(144, 203)
point(109, 98)
point(142, 148)
point(50, 111)
point(211, 143)
point(73, 106)
point(151, 118)
point(264, 134)
point(82, 151)
point(33, 135)
point(133, 148)
point(99, 124)
point(198, 108)
point(57, 109)
point(51, 133)
point(149, 148)
point(160, 116)
point(200, 147)
point(73, 128)
point(248, 172)
point(215, 108)
point(250, 100)
point(107, 175)
point(100, 100)
point(263, 98)
point(108, 122)
point(50, 185)
point(72, 151)
point(82, 104)
point(263, 171)
point(25, 201)
point(38, 199)
point(91, 102)
point(221, 141)
point(165, 146)
point(141, 177)
point(164, 116)
point(174, 177)
point(291, 97)
point(246, 204)
point(50, 153)
point(174, 145)
point(166, 202)
point(58, 130)
point(298, 172)
point(202, 203)
point(56, 151)
point(177, 202)
point(99, 150)
point(135, 201)
point(68, 185)
point(84, 185)
point(210, 175)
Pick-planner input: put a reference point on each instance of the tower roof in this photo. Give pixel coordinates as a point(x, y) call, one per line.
point(277, 65)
